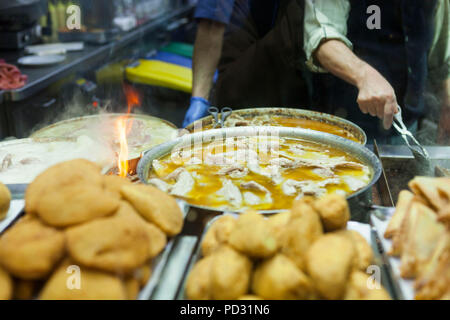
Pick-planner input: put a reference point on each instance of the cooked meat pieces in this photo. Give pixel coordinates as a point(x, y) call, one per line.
point(156, 207)
point(198, 283)
point(114, 244)
point(253, 236)
point(252, 185)
point(184, 182)
point(113, 184)
point(292, 187)
point(30, 249)
point(235, 171)
point(251, 199)
point(6, 162)
point(160, 184)
point(404, 200)
point(230, 274)
point(67, 173)
point(334, 211)
point(329, 262)
point(5, 200)
point(231, 193)
point(218, 234)
point(6, 285)
point(363, 250)
point(70, 282)
point(358, 288)
point(279, 279)
point(157, 238)
point(303, 229)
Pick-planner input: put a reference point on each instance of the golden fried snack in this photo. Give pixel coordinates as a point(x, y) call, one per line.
point(113, 184)
point(87, 284)
point(358, 288)
point(363, 250)
point(249, 297)
point(132, 287)
point(230, 274)
point(115, 244)
point(198, 284)
point(5, 200)
point(143, 274)
point(399, 239)
point(434, 280)
point(279, 279)
point(420, 241)
point(303, 206)
point(24, 289)
point(299, 234)
point(278, 223)
point(74, 204)
point(30, 249)
point(218, 234)
point(157, 238)
point(334, 211)
point(60, 175)
point(253, 236)
point(404, 201)
point(156, 207)
point(6, 285)
point(444, 215)
point(435, 190)
point(329, 262)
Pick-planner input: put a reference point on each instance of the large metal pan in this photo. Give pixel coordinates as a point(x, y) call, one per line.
point(359, 201)
point(346, 125)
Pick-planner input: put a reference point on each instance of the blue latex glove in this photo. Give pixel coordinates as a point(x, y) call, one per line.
point(198, 109)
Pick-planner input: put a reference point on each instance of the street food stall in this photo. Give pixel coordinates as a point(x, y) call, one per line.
point(99, 178)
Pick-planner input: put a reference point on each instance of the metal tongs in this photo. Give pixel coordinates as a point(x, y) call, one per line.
point(416, 148)
point(224, 114)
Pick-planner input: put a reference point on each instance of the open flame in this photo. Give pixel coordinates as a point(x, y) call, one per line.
point(123, 127)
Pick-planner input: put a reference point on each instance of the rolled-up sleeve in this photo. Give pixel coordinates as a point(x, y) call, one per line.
point(324, 19)
point(216, 10)
point(439, 55)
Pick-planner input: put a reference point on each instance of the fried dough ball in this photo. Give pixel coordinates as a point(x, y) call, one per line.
point(358, 288)
point(156, 207)
point(30, 249)
point(115, 244)
point(24, 289)
point(157, 238)
point(363, 250)
point(299, 234)
point(113, 184)
point(303, 206)
point(230, 274)
point(329, 262)
point(75, 204)
point(70, 283)
point(132, 287)
point(218, 234)
point(278, 223)
point(253, 236)
point(143, 274)
point(6, 285)
point(198, 284)
point(278, 278)
point(5, 200)
point(334, 211)
point(60, 175)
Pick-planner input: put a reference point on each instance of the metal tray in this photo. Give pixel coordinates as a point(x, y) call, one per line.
point(364, 229)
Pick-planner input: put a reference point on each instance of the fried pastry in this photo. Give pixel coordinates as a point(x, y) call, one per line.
point(60, 175)
point(404, 201)
point(363, 250)
point(358, 288)
point(30, 249)
point(24, 289)
point(444, 215)
point(278, 223)
point(399, 239)
point(113, 184)
point(218, 234)
point(6, 285)
point(143, 274)
point(302, 206)
point(279, 279)
point(329, 262)
point(157, 238)
point(230, 274)
point(420, 241)
point(198, 283)
point(435, 190)
point(334, 211)
point(5, 200)
point(114, 244)
point(253, 236)
point(87, 284)
point(131, 288)
point(155, 206)
point(299, 234)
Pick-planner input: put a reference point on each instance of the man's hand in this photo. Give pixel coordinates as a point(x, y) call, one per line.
point(376, 96)
point(198, 109)
point(444, 119)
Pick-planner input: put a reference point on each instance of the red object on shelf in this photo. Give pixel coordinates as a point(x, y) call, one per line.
point(11, 77)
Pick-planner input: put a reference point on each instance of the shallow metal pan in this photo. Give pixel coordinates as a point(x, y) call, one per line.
point(358, 201)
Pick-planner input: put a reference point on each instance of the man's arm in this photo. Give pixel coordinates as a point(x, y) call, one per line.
point(376, 96)
point(207, 51)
